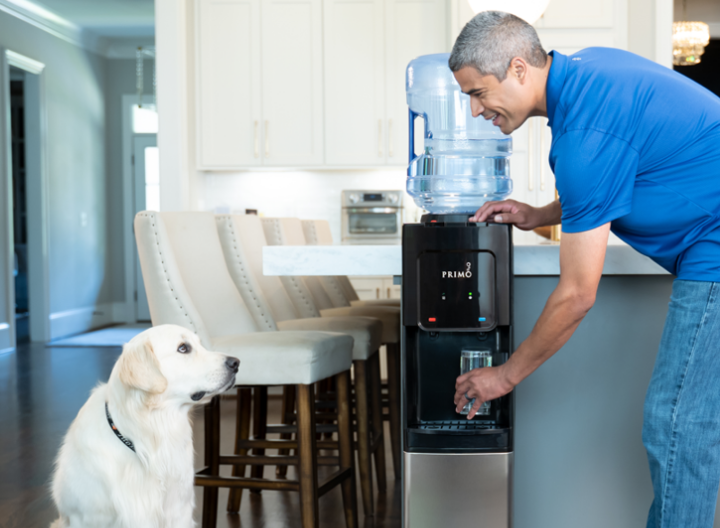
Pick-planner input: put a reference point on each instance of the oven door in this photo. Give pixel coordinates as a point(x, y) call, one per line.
point(371, 224)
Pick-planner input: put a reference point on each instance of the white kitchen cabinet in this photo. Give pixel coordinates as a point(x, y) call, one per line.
point(259, 83)
point(368, 45)
point(412, 28)
point(354, 82)
point(369, 288)
point(292, 84)
point(228, 83)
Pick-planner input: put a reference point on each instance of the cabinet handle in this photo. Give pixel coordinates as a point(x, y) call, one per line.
point(257, 140)
point(531, 186)
point(380, 149)
point(542, 159)
point(390, 138)
point(267, 139)
point(388, 294)
point(377, 293)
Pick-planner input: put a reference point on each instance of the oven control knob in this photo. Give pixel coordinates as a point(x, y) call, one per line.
point(393, 198)
point(354, 198)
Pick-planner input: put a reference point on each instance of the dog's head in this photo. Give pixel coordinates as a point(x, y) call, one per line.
point(169, 362)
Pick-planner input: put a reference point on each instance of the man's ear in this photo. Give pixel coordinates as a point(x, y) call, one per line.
point(519, 69)
point(140, 369)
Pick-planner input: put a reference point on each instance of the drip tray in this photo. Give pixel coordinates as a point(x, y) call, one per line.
point(459, 427)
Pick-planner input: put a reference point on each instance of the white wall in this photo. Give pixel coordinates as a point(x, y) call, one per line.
point(302, 194)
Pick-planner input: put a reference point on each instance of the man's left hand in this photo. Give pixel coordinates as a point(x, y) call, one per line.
point(483, 384)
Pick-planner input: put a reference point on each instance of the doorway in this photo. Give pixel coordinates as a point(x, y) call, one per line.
point(146, 175)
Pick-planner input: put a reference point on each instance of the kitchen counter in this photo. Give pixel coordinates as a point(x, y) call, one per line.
point(536, 260)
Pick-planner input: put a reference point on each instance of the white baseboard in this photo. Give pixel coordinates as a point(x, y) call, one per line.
point(5, 341)
point(71, 322)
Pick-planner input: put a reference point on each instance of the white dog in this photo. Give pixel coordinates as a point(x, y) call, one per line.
point(127, 460)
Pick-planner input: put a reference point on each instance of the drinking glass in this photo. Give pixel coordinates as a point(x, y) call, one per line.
point(471, 359)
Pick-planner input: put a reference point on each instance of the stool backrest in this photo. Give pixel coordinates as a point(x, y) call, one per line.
point(185, 275)
point(289, 232)
point(317, 233)
point(242, 239)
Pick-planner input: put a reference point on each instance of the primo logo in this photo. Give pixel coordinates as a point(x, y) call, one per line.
point(458, 274)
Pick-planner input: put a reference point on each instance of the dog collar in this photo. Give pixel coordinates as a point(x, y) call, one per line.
point(115, 430)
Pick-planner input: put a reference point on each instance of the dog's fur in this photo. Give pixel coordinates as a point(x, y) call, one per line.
point(99, 482)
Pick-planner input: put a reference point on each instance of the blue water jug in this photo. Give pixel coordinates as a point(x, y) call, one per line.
point(465, 160)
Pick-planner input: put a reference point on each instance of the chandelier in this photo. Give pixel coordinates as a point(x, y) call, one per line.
point(140, 54)
point(689, 40)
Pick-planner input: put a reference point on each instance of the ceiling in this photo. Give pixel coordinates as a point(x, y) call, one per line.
point(106, 18)
point(707, 11)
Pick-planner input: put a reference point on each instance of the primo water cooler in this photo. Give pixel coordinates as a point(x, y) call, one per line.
point(457, 300)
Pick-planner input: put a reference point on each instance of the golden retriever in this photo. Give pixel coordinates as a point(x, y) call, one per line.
point(127, 459)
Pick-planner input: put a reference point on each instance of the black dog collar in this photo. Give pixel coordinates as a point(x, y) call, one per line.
point(115, 430)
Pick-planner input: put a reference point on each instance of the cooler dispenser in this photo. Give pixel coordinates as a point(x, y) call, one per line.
point(457, 292)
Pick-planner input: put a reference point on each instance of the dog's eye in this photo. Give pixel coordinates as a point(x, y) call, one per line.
point(184, 348)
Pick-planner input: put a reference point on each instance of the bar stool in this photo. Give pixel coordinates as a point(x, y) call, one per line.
point(289, 231)
point(188, 284)
point(242, 241)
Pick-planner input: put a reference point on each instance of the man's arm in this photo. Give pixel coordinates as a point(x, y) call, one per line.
point(581, 262)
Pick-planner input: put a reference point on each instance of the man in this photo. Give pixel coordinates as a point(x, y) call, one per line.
point(635, 150)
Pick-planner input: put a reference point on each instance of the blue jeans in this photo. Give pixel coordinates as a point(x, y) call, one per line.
point(681, 429)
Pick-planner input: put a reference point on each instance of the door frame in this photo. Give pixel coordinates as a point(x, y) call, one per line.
point(37, 197)
point(128, 201)
point(148, 140)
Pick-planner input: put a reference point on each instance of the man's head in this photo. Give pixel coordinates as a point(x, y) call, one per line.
point(499, 61)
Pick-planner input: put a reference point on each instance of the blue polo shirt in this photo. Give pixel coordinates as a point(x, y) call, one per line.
point(638, 145)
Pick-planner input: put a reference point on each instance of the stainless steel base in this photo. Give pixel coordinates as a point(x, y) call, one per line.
point(457, 490)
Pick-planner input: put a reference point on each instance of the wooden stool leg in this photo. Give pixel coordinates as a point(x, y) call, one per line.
point(288, 409)
point(393, 370)
point(347, 456)
point(363, 435)
point(307, 448)
point(242, 432)
point(377, 423)
point(212, 459)
point(259, 427)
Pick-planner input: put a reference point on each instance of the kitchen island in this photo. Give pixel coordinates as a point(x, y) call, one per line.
point(579, 458)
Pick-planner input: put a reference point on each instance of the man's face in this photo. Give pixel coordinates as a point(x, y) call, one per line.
point(506, 103)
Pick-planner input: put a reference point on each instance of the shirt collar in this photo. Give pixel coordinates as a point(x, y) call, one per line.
point(555, 83)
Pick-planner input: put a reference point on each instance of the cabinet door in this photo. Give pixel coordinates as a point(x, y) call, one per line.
point(390, 290)
point(368, 288)
point(354, 82)
point(292, 129)
point(228, 83)
point(412, 28)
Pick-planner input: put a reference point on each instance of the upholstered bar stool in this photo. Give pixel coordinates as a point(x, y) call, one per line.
point(242, 240)
point(188, 284)
point(289, 232)
point(317, 233)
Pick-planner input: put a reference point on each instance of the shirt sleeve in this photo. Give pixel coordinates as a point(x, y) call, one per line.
point(595, 176)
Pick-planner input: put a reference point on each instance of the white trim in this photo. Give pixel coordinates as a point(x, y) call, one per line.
point(7, 253)
point(79, 320)
point(6, 342)
point(24, 63)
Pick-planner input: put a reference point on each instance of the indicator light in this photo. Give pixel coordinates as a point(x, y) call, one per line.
point(481, 319)
point(432, 319)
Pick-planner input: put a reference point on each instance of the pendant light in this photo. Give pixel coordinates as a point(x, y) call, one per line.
point(689, 40)
point(529, 10)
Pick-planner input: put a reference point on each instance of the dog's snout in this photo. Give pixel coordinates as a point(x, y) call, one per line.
point(232, 363)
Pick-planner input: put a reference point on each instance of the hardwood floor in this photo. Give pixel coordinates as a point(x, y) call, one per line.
point(41, 391)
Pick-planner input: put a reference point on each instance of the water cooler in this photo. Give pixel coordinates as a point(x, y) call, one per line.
point(456, 296)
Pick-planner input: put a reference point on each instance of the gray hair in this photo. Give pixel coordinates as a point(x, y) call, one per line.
point(491, 40)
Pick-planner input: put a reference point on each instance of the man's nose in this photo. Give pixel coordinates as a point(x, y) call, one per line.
point(476, 107)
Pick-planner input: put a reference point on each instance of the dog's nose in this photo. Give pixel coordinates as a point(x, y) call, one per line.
point(232, 363)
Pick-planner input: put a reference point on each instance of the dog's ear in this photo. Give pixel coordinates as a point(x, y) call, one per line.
point(140, 368)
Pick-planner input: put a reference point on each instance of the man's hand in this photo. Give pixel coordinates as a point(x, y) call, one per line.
point(521, 215)
point(483, 384)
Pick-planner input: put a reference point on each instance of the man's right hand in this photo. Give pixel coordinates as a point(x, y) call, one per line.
point(521, 215)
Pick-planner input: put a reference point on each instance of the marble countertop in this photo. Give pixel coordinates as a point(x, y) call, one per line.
point(542, 259)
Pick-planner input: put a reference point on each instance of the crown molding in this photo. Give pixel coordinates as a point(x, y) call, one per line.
point(54, 24)
point(24, 63)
